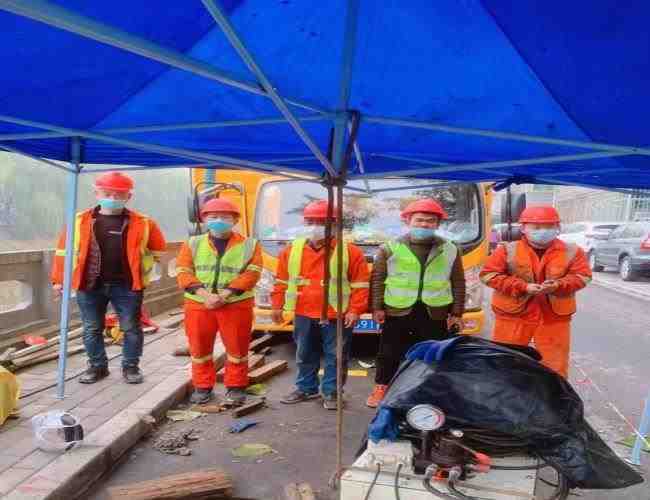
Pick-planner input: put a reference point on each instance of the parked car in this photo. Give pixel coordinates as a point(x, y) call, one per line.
point(627, 248)
point(584, 234)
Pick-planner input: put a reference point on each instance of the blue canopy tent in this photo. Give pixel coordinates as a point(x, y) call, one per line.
point(463, 91)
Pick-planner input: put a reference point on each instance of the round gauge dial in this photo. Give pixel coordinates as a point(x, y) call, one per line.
point(425, 418)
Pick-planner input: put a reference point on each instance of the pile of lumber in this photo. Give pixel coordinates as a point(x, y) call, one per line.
point(208, 483)
point(258, 369)
point(14, 359)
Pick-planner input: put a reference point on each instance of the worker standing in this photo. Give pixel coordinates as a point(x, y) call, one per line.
point(535, 281)
point(218, 271)
point(417, 290)
point(114, 253)
point(299, 289)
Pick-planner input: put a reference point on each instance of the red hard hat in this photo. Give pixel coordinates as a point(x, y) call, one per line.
point(219, 205)
point(425, 206)
point(317, 210)
point(114, 181)
point(540, 215)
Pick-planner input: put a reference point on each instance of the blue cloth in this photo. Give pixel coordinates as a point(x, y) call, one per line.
point(127, 304)
point(240, 425)
point(384, 425)
point(312, 340)
point(474, 64)
point(430, 351)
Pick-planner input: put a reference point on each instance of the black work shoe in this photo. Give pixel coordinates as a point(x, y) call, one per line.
point(94, 374)
point(330, 402)
point(298, 396)
point(201, 396)
point(132, 375)
point(235, 396)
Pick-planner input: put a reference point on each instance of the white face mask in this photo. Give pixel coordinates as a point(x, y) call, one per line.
point(314, 233)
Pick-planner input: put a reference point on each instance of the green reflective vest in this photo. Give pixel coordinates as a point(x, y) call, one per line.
point(406, 282)
point(217, 271)
point(296, 280)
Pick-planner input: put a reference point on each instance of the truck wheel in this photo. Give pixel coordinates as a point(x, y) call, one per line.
point(593, 263)
point(626, 271)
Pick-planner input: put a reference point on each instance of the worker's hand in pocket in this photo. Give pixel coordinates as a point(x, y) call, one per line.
point(351, 319)
point(379, 316)
point(277, 316)
point(455, 323)
point(57, 291)
point(550, 286)
point(534, 289)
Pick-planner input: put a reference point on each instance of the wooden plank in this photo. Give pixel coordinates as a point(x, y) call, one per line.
point(53, 342)
point(248, 408)
point(267, 371)
point(261, 342)
point(208, 408)
point(254, 362)
point(209, 483)
point(265, 351)
point(41, 358)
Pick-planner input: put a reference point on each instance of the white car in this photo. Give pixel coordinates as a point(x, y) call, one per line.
point(582, 233)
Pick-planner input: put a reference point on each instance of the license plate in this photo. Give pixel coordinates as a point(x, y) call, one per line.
point(366, 326)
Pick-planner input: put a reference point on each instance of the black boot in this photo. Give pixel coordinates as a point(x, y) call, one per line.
point(132, 375)
point(94, 374)
point(235, 396)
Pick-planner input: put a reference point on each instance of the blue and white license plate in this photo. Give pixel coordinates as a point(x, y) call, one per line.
point(366, 326)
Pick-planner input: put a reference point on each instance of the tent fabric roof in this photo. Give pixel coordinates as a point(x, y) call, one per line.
point(428, 79)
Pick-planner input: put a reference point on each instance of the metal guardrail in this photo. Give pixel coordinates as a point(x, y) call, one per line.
point(27, 304)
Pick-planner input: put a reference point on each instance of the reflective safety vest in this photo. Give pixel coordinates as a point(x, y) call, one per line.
point(147, 257)
point(406, 281)
point(296, 281)
point(520, 265)
point(217, 271)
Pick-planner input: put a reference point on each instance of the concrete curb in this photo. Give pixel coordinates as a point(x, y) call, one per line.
point(73, 473)
point(622, 290)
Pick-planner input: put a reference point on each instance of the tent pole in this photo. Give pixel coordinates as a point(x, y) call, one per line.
point(70, 213)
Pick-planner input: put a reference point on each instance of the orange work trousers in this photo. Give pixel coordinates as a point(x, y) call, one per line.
point(234, 322)
point(552, 340)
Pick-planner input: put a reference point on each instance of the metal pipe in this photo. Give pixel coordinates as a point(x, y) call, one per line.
point(35, 158)
point(642, 435)
point(482, 166)
point(237, 43)
point(168, 128)
point(70, 215)
point(65, 19)
point(144, 146)
point(494, 134)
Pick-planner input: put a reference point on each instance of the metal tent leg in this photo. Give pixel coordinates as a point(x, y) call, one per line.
point(70, 212)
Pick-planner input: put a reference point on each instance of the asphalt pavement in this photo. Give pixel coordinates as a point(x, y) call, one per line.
point(610, 370)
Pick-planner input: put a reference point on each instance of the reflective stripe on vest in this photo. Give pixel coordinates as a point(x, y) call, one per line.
point(564, 305)
point(216, 271)
point(296, 281)
point(406, 282)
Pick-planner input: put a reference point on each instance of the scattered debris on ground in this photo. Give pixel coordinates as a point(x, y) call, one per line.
point(208, 483)
point(252, 450)
point(183, 415)
point(256, 389)
point(175, 442)
point(267, 371)
point(302, 491)
point(249, 408)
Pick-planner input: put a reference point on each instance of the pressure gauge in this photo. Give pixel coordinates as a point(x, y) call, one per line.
point(425, 418)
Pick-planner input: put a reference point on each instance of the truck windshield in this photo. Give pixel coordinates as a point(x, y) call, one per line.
point(368, 219)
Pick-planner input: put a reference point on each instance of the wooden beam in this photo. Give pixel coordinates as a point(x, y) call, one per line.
point(208, 483)
point(267, 371)
point(248, 408)
point(261, 342)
